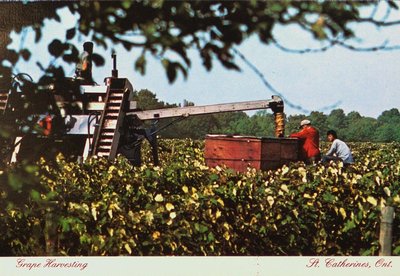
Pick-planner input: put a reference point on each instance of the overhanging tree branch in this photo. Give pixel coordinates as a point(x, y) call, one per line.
point(379, 23)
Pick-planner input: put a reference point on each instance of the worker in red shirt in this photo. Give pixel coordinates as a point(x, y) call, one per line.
point(309, 137)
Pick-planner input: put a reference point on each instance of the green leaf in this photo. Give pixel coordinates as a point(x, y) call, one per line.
point(210, 237)
point(328, 197)
point(56, 48)
point(31, 168)
point(200, 227)
point(15, 181)
point(396, 251)
point(65, 226)
point(70, 33)
point(171, 71)
point(277, 7)
point(26, 54)
point(350, 224)
point(35, 195)
point(98, 60)
point(140, 64)
point(126, 4)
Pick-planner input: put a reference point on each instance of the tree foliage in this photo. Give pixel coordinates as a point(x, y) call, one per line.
point(168, 29)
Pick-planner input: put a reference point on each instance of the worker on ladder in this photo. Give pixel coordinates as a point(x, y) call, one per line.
point(83, 70)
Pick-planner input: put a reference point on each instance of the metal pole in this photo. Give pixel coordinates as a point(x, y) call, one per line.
point(385, 234)
point(114, 71)
point(50, 232)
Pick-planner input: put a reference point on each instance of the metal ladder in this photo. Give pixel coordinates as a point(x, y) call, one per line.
point(107, 135)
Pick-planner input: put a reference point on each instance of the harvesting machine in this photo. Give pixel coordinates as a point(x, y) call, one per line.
point(104, 120)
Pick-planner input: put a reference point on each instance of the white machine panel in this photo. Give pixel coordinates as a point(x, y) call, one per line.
point(80, 124)
point(93, 89)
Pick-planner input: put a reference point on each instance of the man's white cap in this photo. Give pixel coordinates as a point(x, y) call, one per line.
point(305, 122)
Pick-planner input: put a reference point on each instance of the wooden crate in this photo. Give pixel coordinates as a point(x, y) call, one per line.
point(240, 152)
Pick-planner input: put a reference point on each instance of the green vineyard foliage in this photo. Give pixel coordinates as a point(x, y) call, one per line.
point(184, 208)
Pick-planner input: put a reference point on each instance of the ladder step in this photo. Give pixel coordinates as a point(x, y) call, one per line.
point(107, 132)
point(114, 100)
point(113, 109)
point(110, 127)
point(116, 94)
point(110, 107)
point(105, 151)
point(106, 140)
point(104, 148)
point(115, 103)
point(110, 120)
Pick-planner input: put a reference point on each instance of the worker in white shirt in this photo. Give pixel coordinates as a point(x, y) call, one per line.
point(339, 151)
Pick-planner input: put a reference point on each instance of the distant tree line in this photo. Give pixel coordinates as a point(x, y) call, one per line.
point(350, 127)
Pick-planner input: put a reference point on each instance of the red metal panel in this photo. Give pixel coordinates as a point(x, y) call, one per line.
point(225, 147)
point(237, 165)
point(240, 152)
point(290, 149)
point(271, 149)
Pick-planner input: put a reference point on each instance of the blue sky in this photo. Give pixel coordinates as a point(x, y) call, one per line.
point(366, 82)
